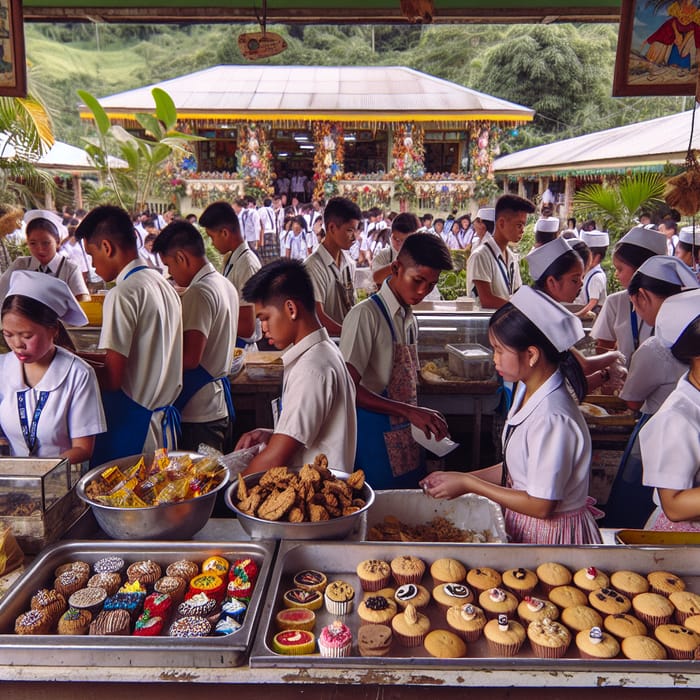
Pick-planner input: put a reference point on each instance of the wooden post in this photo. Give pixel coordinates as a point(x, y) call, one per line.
point(568, 194)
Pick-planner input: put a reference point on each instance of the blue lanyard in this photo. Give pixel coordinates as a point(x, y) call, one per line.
point(136, 269)
point(28, 432)
point(507, 278)
point(636, 326)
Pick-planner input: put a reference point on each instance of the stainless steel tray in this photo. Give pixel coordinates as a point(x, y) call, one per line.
point(55, 650)
point(341, 561)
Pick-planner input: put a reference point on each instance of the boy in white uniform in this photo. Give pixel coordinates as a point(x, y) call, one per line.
point(142, 336)
point(316, 412)
point(209, 319)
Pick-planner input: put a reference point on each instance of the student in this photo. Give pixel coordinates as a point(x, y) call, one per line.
point(209, 320)
point(438, 227)
point(546, 230)
point(595, 281)
point(49, 398)
point(543, 480)
point(148, 255)
point(669, 441)
point(331, 268)
point(483, 223)
point(298, 242)
point(493, 273)
point(669, 228)
point(688, 246)
point(43, 231)
point(316, 410)
point(466, 232)
point(378, 343)
point(452, 239)
point(142, 336)
point(402, 227)
point(618, 326)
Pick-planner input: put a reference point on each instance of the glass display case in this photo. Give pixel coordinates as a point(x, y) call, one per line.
point(438, 329)
point(31, 485)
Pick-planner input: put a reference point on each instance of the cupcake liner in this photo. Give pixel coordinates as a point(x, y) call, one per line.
point(334, 652)
point(679, 654)
point(467, 635)
point(519, 593)
point(681, 616)
point(545, 652)
point(500, 649)
point(339, 607)
point(409, 641)
point(403, 579)
point(653, 621)
point(376, 585)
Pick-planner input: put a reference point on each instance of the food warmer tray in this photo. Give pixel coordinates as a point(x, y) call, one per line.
point(161, 651)
point(340, 562)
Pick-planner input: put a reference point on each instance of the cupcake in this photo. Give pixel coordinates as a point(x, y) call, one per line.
point(407, 569)
point(174, 586)
point(531, 609)
point(109, 565)
point(467, 621)
point(183, 569)
point(504, 637)
point(549, 639)
point(211, 584)
point(374, 640)
point(50, 602)
point(111, 623)
point(679, 641)
point(483, 578)
point(608, 601)
point(496, 601)
point(693, 623)
point(310, 580)
point(216, 565)
point(653, 609)
point(294, 642)
point(192, 626)
point(442, 644)
point(686, 603)
point(90, 599)
point(237, 609)
point(386, 592)
point(70, 581)
point(412, 593)
point(74, 621)
point(410, 627)
point(567, 596)
point(335, 640)
point(110, 582)
point(33, 622)
point(245, 568)
point(299, 598)
point(200, 605)
point(339, 597)
point(581, 617)
point(132, 603)
point(551, 574)
point(295, 619)
point(376, 610)
point(82, 567)
point(590, 579)
point(641, 648)
point(148, 625)
point(665, 583)
point(147, 572)
point(520, 582)
point(226, 625)
point(373, 574)
point(239, 587)
point(133, 587)
point(595, 644)
point(447, 570)
point(158, 604)
point(629, 583)
point(448, 595)
point(624, 625)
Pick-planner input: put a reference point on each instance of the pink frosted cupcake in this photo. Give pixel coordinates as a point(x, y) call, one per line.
point(335, 640)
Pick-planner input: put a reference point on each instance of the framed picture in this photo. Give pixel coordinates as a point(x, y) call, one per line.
point(658, 48)
point(13, 64)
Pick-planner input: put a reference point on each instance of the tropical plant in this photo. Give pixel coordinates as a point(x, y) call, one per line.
point(145, 157)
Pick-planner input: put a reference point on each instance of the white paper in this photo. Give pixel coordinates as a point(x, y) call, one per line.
point(437, 447)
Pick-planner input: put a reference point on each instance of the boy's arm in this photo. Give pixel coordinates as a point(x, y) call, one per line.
point(487, 298)
point(279, 451)
point(333, 327)
point(111, 375)
point(193, 344)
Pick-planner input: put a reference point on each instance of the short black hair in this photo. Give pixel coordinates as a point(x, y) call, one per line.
point(180, 235)
point(40, 224)
point(670, 223)
point(405, 223)
point(601, 250)
point(438, 221)
point(581, 247)
point(513, 203)
point(543, 237)
point(686, 346)
point(633, 255)
point(340, 210)
point(426, 249)
point(218, 215)
point(108, 222)
point(280, 280)
point(558, 268)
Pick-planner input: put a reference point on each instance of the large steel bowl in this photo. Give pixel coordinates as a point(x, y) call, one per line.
point(168, 521)
point(333, 529)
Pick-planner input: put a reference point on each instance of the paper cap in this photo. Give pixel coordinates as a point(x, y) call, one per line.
point(486, 214)
point(51, 216)
point(686, 235)
point(547, 224)
point(675, 315)
point(647, 238)
point(595, 239)
point(50, 291)
point(541, 258)
point(560, 326)
point(669, 269)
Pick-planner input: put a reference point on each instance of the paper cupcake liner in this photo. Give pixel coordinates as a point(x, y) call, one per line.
point(520, 593)
point(334, 652)
point(467, 635)
point(372, 586)
point(339, 607)
point(653, 621)
point(409, 641)
point(681, 616)
point(545, 652)
point(679, 654)
point(402, 579)
point(500, 649)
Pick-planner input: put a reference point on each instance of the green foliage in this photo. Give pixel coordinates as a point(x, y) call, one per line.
point(453, 284)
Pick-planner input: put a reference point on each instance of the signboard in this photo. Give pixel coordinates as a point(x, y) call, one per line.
point(13, 65)
point(255, 45)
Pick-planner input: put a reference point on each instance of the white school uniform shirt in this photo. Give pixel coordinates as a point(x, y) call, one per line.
point(487, 264)
point(210, 306)
point(318, 402)
point(241, 265)
point(614, 323)
point(298, 246)
point(595, 283)
point(267, 217)
point(73, 408)
point(250, 224)
point(325, 277)
point(653, 375)
point(142, 320)
point(60, 266)
point(76, 253)
point(549, 451)
point(452, 241)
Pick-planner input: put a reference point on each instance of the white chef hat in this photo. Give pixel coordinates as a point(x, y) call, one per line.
point(547, 224)
point(687, 233)
point(669, 269)
point(486, 214)
point(50, 291)
point(675, 315)
point(51, 216)
point(560, 326)
point(595, 239)
point(647, 238)
point(539, 259)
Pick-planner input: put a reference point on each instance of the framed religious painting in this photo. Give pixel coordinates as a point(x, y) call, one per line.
point(658, 48)
point(13, 64)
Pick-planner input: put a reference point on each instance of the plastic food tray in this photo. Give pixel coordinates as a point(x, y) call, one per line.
point(470, 360)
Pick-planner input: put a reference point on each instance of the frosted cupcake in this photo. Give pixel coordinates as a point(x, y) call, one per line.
point(339, 597)
point(467, 621)
point(503, 636)
point(335, 640)
point(496, 601)
point(410, 627)
point(549, 639)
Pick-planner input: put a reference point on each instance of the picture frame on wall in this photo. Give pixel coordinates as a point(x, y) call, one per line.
point(13, 63)
point(658, 48)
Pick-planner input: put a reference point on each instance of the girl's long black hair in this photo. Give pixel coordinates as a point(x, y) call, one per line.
point(39, 313)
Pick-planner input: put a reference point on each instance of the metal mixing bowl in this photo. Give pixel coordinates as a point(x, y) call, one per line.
point(333, 529)
point(168, 521)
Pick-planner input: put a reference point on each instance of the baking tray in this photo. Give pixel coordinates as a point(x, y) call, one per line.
point(661, 538)
point(84, 650)
point(341, 562)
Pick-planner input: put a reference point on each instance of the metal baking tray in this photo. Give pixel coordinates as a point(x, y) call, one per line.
point(341, 562)
point(86, 650)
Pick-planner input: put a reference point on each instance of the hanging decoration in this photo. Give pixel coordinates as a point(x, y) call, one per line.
point(407, 161)
point(253, 158)
point(484, 149)
point(262, 44)
point(328, 159)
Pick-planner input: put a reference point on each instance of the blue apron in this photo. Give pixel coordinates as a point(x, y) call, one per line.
point(193, 380)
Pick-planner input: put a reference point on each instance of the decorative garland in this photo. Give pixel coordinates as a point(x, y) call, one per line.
point(365, 195)
point(328, 159)
point(484, 147)
point(253, 158)
point(408, 164)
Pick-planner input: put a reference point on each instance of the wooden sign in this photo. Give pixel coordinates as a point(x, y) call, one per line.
point(13, 63)
point(255, 45)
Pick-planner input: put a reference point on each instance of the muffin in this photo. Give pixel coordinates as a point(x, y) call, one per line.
point(483, 578)
point(595, 644)
point(294, 642)
point(548, 638)
point(82, 567)
point(551, 574)
point(132, 603)
point(665, 583)
point(335, 640)
point(581, 617)
point(693, 623)
point(339, 598)
point(216, 565)
point(184, 569)
point(567, 596)
point(503, 636)
point(531, 609)
point(192, 626)
point(147, 572)
point(496, 601)
point(33, 622)
point(686, 603)
point(174, 586)
point(109, 565)
point(50, 602)
point(70, 581)
point(641, 648)
point(410, 627)
point(74, 621)
point(520, 582)
point(373, 574)
point(442, 644)
point(109, 581)
point(447, 570)
point(624, 625)
point(374, 640)
point(310, 580)
point(449, 595)
point(299, 598)
point(88, 598)
point(376, 610)
point(653, 609)
point(407, 569)
point(467, 621)
point(679, 641)
point(413, 593)
point(590, 579)
point(629, 583)
point(295, 619)
point(608, 601)
point(111, 623)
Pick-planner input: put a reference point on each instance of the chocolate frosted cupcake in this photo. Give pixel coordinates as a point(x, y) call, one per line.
point(183, 569)
point(82, 567)
point(70, 581)
point(88, 599)
point(299, 598)
point(74, 621)
point(109, 565)
point(146, 572)
point(412, 593)
point(33, 622)
point(50, 602)
point(110, 582)
point(520, 582)
point(172, 585)
point(111, 623)
point(192, 626)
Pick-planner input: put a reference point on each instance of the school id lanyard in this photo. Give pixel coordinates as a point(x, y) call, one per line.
point(29, 432)
point(636, 326)
point(507, 276)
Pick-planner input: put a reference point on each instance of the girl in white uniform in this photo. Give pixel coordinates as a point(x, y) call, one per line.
point(672, 466)
point(543, 480)
point(49, 398)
